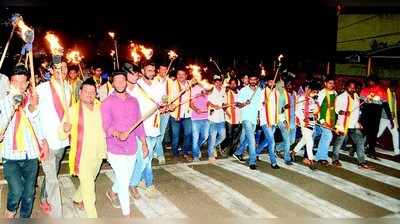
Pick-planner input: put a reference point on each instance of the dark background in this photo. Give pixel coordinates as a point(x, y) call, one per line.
point(249, 32)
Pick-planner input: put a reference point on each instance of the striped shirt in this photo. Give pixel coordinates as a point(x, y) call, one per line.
point(7, 151)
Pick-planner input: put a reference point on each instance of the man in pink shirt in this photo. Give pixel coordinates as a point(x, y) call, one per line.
point(120, 112)
point(200, 124)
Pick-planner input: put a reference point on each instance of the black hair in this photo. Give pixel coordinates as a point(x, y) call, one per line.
point(350, 81)
point(89, 82)
point(329, 78)
point(20, 69)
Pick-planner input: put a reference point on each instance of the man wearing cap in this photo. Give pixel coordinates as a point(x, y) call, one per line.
point(55, 98)
point(23, 144)
point(216, 103)
point(88, 145)
point(120, 111)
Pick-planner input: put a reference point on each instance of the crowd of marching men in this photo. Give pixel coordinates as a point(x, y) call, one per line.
point(124, 119)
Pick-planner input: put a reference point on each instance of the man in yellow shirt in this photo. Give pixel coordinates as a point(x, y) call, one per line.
point(88, 145)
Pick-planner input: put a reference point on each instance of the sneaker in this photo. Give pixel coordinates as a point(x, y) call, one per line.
point(45, 207)
point(134, 193)
point(336, 163)
point(289, 163)
point(238, 158)
point(196, 160)
point(113, 199)
point(275, 167)
point(253, 167)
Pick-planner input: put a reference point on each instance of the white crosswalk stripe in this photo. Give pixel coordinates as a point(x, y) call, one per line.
point(371, 174)
point(363, 193)
point(291, 192)
point(153, 207)
point(221, 193)
point(381, 161)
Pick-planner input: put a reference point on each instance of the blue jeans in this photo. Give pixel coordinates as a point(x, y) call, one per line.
point(21, 179)
point(217, 135)
point(177, 126)
point(358, 139)
point(142, 170)
point(159, 151)
point(200, 135)
point(269, 141)
point(324, 142)
point(285, 144)
point(292, 135)
point(247, 138)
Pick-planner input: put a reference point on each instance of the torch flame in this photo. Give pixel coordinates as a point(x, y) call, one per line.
point(25, 30)
point(55, 47)
point(111, 34)
point(135, 56)
point(172, 55)
point(112, 53)
point(196, 72)
point(74, 57)
point(147, 52)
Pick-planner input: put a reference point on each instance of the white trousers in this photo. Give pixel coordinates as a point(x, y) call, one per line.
point(306, 140)
point(123, 166)
point(385, 123)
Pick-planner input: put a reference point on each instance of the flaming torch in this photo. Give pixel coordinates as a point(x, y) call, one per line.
point(216, 65)
point(112, 54)
point(14, 22)
point(74, 57)
point(147, 52)
point(279, 66)
point(57, 52)
point(112, 35)
point(172, 56)
point(27, 36)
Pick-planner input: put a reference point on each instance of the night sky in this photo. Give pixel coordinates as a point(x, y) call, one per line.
point(246, 29)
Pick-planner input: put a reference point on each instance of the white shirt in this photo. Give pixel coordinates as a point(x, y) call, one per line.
point(217, 97)
point(31, 142)
point(342, 103)
point(50, 123)
point(144, 96)
point(4, 85)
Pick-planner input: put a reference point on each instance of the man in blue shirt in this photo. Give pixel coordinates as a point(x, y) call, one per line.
point(250, 104)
